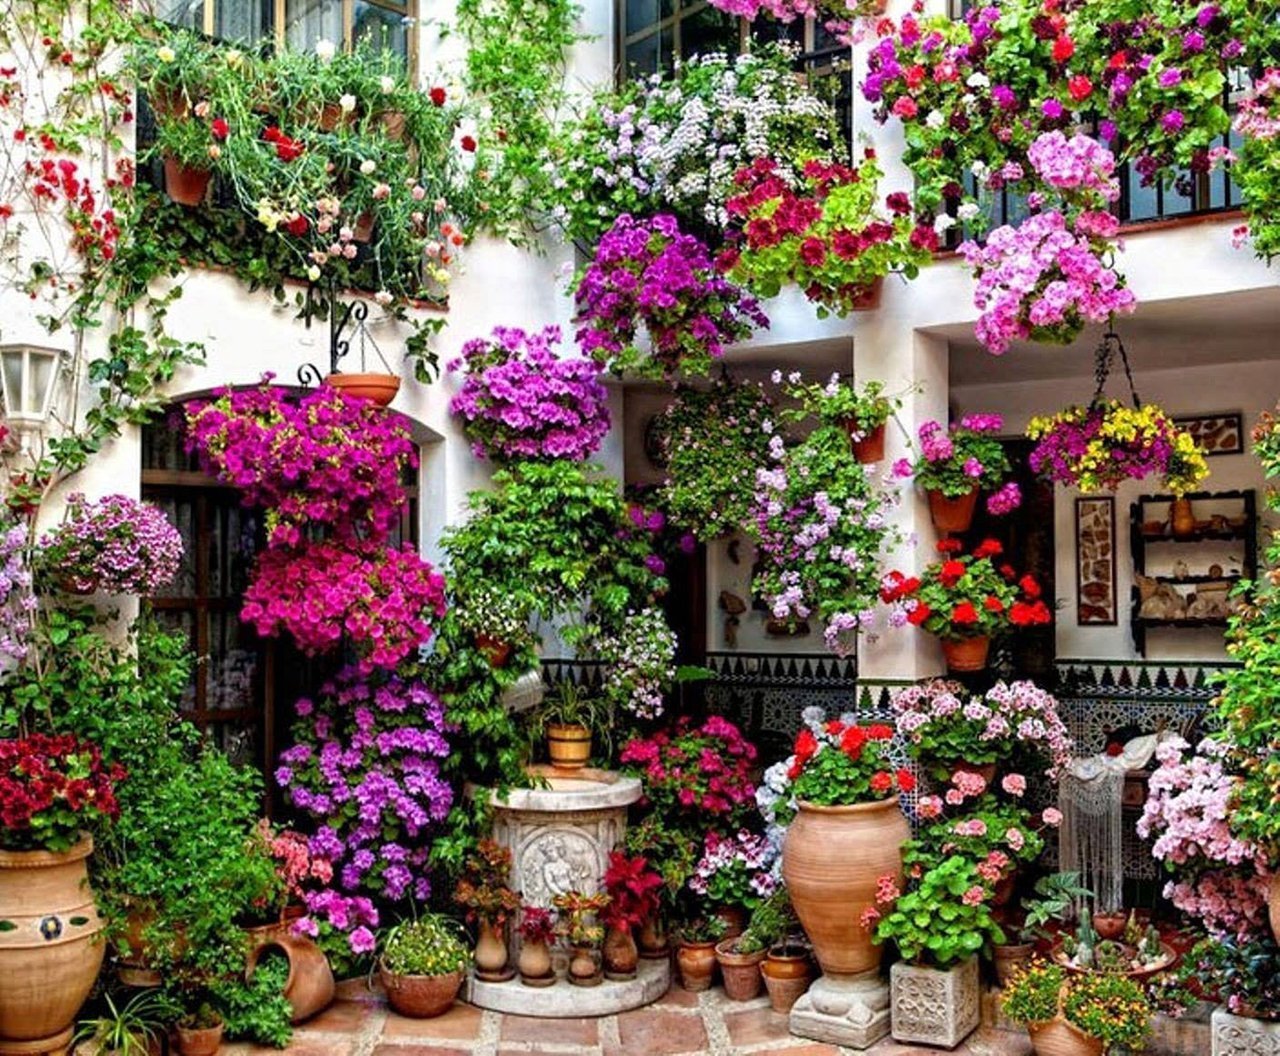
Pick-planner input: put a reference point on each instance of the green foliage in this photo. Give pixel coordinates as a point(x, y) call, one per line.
point(257, 1010)
point(945, 918)
point(431, 945)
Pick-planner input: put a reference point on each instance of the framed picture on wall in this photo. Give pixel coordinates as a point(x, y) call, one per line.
point(1096, 562)
point(1217, 434)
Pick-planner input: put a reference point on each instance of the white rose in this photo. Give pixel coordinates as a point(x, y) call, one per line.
point(368, 166)
point(348, 103)
point(325, 50)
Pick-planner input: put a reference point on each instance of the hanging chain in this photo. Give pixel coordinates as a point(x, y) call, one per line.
point(1103, 358)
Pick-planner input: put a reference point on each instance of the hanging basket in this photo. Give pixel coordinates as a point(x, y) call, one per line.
point(380, 389)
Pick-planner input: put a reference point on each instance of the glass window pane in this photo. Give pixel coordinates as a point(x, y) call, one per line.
point(309, 21)
point(708, 31)
point(642, 13)
point(381, 27)
point(242, 20)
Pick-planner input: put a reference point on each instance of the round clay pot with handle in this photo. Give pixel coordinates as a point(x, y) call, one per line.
point(740, 971)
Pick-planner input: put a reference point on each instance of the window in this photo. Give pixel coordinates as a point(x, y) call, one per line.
point(298, 23)
point(656, 32)
point(243, 687)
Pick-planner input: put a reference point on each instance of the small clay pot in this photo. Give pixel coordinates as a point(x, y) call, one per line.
point(697, 964)
point(740, 971)
point(787, 972)
point(420, 996)
point(198, 1041)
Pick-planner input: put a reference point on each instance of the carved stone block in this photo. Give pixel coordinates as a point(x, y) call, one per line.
point(934, 1007)
point(1242, 1036)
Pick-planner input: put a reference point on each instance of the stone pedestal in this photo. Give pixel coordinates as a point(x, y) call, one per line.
point(848, 1010)
point(935, 1007)
point(1242, 1036)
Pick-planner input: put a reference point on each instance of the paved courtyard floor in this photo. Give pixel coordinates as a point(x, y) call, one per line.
point(360, 1024)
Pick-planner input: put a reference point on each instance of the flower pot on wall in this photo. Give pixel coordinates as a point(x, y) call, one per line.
point(49, 952)
point(184, 185)
point(740, 971)
point(870, 447)
point(831, 861)
point(966, 654)
point(786, 971)
point(380, 389)
point(935, 1006)
point(952, 516)
point(568, 746)
point(1060, 1038)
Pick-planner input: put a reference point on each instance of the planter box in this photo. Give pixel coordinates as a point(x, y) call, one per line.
point(1242, 1036)
point(932, 1007)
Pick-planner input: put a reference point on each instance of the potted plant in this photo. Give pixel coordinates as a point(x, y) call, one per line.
point(939, 925)
point(568, 722)
point(863, 413)
point(833, 238)
point(632, 887)
point(537, 930)
point(1052, 899)
point(579, 916)
point(134, 1028)
point(54, 788)
point(965, 600)
point(696, 939)
point(1077, 1015)
point(483, 892)
point(114, 545)
point(422, 965)
point(846, 834)
point(199, 1031)
point(1107, 443)
point(785, 968)
point(955, 464)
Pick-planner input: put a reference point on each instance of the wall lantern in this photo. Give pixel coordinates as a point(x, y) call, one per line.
point(30, 375)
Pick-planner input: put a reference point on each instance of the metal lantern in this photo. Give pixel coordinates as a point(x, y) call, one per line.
point(30, 375)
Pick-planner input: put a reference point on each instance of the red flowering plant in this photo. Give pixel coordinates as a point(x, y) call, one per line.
point(965, 595)
point(51, 789)
point(633, 888)
point(699, 774)
point(833, 238)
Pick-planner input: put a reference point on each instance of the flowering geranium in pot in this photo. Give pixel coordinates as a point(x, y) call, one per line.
point(965, 600)
point(1106, 444)
point(939, 926)
point(115, 545)
point(1077, 1015)
point(955, 464)
point(423, 964)
point(483, 891)
point(52, 789)
point(632, 887)
point(648, 275)
point(833, 238)
point(519, 400)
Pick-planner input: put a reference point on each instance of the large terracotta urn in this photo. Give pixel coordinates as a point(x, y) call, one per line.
point(831, 861)
point(50, 950)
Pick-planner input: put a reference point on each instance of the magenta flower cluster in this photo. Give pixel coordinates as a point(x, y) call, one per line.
point(521, 401)
point(365, 766)
point(325, 458)
point(647, 275)
point(115, 545)
point(382, 600)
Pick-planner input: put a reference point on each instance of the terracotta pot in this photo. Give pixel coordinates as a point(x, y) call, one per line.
point(871, 447)
point(1009, 957)
point(786, 976)
point(620, 954)
point(831, 861)
point(653, 938)
point(362, 229)
point(735, 920)
point(495, 652)
point(198, 1041)
point(420, 996)
point(1060, 1038)
point(1273, 906)
point(183, 185)
point(491, 953)
point(309, 987)
point(568, 746)
point(1110, 925)
point(50, 956)
point(534, 964)
point(697, 964)
point(868, 298)
point(966, 654)
point(740, 971)
point(584, 969)
point(1183, 518)
point(379, 389)
point(952, 516)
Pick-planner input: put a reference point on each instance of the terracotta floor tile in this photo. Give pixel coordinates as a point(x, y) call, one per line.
point(559, 1031)
point(756, 1026)
point(339, 1017)
point(460, 1023)
point(659, 1032)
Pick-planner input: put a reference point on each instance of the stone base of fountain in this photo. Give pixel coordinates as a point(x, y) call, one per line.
point(566, 1001)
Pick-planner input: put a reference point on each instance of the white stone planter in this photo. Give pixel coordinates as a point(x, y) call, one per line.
point(1242, 1036)
point(934, 1007)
